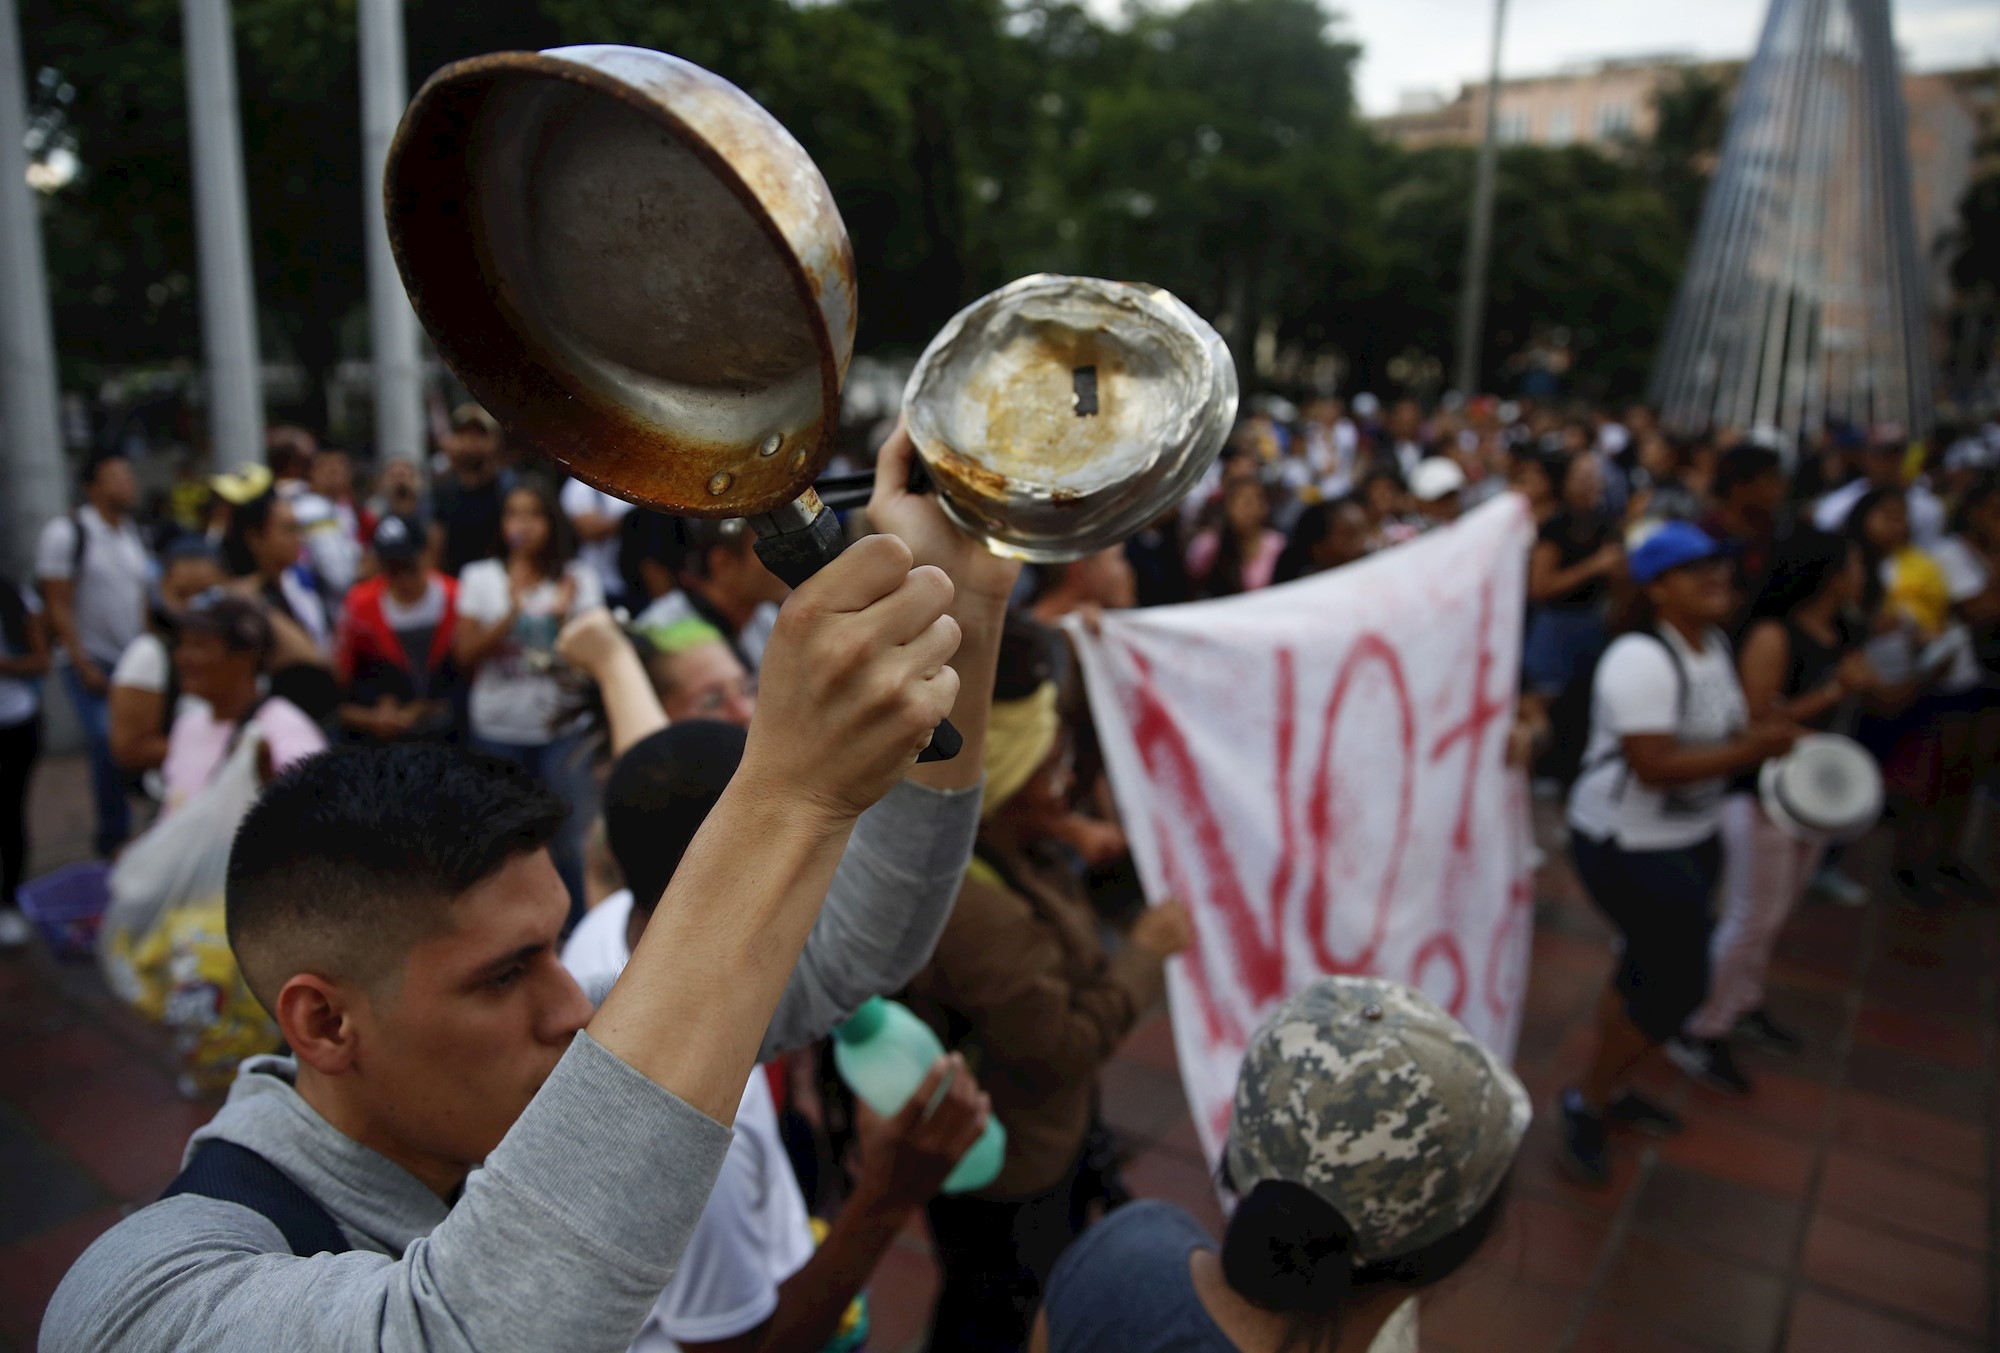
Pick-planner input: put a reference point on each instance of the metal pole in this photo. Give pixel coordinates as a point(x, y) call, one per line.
point(1472, 303)
point(222, 232)
point(392, 325)
point(33, 450)
point(1691, 361)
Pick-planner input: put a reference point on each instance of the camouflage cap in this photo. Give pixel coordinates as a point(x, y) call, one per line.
point(1367, 1093)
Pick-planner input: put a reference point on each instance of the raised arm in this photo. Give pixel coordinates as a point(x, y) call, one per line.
point(856, 668)
point(578, 1218)
point(893, 892)
point(594, 645)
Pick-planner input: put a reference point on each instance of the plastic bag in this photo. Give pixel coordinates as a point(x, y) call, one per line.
point(163, 947)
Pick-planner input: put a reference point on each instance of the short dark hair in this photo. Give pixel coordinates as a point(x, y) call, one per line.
point(1744, 463)
point(361, 851)
point(659, 794)
point(96, 463)
point(699, 536)
point(1287, 1250)
point(1802, 565)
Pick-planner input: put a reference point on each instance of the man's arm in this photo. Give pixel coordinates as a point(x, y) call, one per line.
point(856, 668)
point(53, 554)
point(575, 1223)
point(893, 892)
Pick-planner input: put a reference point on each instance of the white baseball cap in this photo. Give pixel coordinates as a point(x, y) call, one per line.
point(1434, 478)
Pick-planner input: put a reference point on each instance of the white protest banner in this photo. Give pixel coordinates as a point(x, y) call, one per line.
point(1319, 771)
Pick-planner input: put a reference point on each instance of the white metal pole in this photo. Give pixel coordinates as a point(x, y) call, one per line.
point(222, 234)
point(392, 325)
point(1472, 303)
point(35, 490)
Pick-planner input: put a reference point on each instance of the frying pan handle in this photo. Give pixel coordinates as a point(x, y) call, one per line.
point(809, 546)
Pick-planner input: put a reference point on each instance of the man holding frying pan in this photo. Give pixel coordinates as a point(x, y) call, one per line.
point(461, 1153)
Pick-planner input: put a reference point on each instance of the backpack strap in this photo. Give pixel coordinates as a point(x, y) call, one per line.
point(77, 548)
point(236, 1174)
point(1617, 752)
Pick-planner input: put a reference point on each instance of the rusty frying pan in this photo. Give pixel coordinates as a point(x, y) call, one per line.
point(634, 266)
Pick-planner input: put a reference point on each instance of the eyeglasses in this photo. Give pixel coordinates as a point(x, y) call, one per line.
point(718, 698)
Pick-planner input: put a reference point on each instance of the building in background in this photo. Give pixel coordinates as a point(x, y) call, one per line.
point(1596, 103)
point(1610, 103)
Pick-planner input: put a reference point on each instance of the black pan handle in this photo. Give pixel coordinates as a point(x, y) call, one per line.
point(813, 541)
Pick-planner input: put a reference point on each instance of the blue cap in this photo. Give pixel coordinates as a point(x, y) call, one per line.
point(1675, 544)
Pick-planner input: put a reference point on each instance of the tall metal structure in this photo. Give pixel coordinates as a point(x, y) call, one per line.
point(1803, 297)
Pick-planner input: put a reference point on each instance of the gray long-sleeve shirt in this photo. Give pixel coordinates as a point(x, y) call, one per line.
point(566, 1235)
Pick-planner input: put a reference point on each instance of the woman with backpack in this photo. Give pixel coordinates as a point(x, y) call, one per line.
point(1669, 726)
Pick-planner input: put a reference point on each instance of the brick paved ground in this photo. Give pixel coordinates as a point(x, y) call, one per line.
point(1847, 1205)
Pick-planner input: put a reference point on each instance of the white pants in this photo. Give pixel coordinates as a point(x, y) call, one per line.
point(1765, 870)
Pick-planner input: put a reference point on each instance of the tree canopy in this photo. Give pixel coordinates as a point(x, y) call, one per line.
point(1214, 149)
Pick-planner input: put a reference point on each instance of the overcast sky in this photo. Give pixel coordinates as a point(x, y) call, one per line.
point(1439, 44)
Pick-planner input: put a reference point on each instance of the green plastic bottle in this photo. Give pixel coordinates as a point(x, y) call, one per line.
point(884, 1052)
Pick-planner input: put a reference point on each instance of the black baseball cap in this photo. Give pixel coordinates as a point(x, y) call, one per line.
point(399, 538)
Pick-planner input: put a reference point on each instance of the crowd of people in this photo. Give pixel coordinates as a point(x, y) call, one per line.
point(520, 741)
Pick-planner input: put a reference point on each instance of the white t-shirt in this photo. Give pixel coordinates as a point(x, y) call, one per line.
point(110, 598)
point(145, 666)
point(515, 699)
point(755, 1231)
point(581, 500)
point(597, 946)
point(1964, 571)
point(751, 640)
point(332, 545)
point(1964, 578)
point(20, 697)
point(1637, 690)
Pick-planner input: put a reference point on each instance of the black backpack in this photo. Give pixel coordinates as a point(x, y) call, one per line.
point(236, 1174)
point(1569, 715)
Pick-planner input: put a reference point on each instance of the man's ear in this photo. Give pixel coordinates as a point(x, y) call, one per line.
point(316, 1016)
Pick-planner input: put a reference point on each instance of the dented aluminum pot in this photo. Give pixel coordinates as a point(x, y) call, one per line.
point(634, 266)
point(1059, 415)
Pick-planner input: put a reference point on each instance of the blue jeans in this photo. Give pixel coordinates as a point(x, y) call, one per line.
point(107, 780)
point(561, 766)
point(1561, 642)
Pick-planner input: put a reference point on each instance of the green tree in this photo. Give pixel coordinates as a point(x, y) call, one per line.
point(1579, 241)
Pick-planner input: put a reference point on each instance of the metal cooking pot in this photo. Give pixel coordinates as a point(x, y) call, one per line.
point(634, 266)
point(1059, 415)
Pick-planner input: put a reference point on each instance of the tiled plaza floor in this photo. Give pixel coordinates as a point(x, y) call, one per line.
point(1846, 1205)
